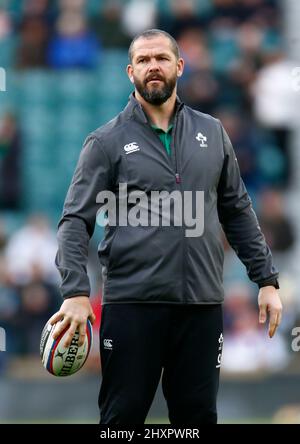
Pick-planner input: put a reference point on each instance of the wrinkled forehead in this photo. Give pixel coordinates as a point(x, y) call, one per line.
point(152, 46)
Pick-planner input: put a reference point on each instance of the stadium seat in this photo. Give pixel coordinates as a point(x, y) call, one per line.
point(57, 110)
point(7, 51)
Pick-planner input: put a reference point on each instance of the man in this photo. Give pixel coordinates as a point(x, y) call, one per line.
point(162, 285)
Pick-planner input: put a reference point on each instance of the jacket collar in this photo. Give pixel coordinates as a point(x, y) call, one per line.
point(135, 109)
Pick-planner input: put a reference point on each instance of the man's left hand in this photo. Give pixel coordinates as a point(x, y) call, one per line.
point(269, 303)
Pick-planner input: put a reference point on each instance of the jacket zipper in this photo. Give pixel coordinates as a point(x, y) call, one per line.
point(178, 181)
point(177, 175)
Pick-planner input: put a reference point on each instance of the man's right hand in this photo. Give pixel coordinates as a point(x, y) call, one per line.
point(75, 312)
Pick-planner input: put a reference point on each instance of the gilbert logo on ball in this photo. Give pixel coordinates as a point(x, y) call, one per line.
point(60, 360)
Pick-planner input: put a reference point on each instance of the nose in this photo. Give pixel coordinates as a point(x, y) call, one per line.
point(154, 66)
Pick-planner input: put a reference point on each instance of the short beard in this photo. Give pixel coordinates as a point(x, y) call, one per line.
point(156, 96)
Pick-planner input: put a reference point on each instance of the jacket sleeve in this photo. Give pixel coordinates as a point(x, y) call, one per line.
point(239, 220)
point(77, 223)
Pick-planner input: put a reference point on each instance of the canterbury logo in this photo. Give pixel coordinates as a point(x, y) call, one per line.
point(202, 139)
point(131, 147)
point(107, 343)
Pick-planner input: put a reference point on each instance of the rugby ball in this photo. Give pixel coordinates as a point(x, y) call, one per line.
point(62, 361)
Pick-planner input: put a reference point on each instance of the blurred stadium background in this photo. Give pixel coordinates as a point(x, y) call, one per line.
point(65, 75)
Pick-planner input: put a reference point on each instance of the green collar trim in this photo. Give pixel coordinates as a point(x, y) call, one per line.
point(156, 128)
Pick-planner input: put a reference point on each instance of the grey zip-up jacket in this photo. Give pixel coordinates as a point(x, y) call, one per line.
point(160, 263)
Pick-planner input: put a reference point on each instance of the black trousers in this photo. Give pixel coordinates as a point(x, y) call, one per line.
point(141, 342)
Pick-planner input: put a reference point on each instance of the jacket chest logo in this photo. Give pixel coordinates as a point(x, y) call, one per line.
point(202, 139)
point(131, 147)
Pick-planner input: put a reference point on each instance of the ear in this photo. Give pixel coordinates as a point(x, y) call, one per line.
point(129, 70)
point(180, 67)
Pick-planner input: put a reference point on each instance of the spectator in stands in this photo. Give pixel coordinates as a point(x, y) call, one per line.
point(73, 45)
point(34, 29)
point(266, 11)
point(39, 301)
point(275, 224)
point(193, 46)
point(247, 142)
point(198, 85)
point(73, 5)
point(32, 248)
point(138, 15)
point(5, 24)
point(10, 158)
point(226, 11)
point(243, 67)
point(245, 347)
point(276, 106)
point(108, 19)
point(24, 309)
point(182, 17)
point(9, 309)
